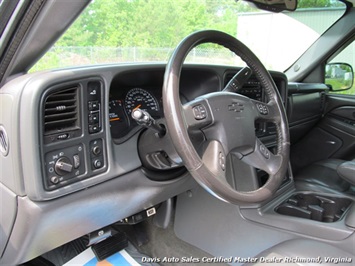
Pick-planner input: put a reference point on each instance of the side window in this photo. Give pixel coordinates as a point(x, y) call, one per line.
point(346, 56)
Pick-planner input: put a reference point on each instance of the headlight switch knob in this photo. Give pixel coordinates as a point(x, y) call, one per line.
point(63, 166)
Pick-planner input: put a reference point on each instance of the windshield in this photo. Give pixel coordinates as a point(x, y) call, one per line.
point(116, 31)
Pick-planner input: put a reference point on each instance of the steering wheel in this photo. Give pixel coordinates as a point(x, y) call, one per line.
point(227, 121)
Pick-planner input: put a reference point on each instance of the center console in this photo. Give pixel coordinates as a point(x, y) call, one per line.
point(325, 216)
point(315, 207)
point(321, 215)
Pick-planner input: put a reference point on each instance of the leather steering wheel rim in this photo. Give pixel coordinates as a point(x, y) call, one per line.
point(178, 121)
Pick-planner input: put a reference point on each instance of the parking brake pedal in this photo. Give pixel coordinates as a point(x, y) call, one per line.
point(110, 246)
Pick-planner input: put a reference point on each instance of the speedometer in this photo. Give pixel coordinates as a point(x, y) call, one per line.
point(140, 98)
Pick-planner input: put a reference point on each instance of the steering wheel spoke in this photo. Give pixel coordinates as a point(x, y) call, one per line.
point(214, 157)
point(262, 158)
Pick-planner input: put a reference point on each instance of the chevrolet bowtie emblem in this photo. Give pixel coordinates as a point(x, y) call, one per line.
point(236, 107)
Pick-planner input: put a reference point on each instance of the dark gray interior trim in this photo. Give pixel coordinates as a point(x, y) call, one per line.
point(229, 234)
point(339, 125)
point(296, 87)
point(304, 248)
point(304, 107)
point(335, 101)
point(267, 215)
point(350, 219)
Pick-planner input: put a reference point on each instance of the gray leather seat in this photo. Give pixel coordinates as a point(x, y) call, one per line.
point(322, 177)
point(302, 251)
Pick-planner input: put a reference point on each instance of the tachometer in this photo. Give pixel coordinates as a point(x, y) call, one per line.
point(140, 98)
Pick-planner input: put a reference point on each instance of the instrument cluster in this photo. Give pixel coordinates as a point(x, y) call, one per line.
point(121, 106)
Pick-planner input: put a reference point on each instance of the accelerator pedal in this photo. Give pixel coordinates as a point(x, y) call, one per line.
point(110, 246)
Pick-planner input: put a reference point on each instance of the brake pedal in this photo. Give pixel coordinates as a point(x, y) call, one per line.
point(110, 246)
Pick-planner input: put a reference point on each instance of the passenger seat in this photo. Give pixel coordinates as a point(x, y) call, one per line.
point(322, 176)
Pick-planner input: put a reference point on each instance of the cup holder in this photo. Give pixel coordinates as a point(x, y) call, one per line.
point(314, 207)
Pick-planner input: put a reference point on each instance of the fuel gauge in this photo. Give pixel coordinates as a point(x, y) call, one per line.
point(119, 123)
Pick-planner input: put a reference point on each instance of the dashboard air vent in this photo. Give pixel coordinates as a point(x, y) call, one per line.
point(61, 111)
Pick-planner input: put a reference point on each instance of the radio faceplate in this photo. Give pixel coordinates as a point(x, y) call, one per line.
point(253, 90)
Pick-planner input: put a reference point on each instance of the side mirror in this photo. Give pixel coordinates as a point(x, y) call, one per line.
point(339, 76)
point(275, 5)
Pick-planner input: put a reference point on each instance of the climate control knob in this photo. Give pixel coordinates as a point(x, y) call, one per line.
point(63, 166)
point(97, 164)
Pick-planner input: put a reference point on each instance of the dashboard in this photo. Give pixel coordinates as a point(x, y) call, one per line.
point(142, 88)
point(86, 135)
point(76, 155)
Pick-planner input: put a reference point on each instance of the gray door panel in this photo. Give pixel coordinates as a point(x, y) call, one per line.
point(339, 121)
point(332, 137)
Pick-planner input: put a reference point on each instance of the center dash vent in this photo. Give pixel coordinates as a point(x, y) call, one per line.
point(61, 111)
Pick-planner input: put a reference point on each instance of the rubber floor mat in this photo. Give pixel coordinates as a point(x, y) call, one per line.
point(63, 254)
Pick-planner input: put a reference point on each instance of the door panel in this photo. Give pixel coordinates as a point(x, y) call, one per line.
point(316, 146)
point(346, 112)
point(344, 125)
point(332, 137)
point(335, 101)
point(339, 121)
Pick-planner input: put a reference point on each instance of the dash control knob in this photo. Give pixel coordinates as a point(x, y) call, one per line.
point(63, 166)
point(55, 180)
point(96, 150)
point(97, 164)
